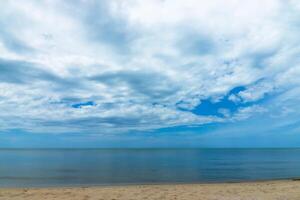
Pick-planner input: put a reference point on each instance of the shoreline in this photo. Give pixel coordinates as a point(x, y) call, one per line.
point(148, 184)
point(265, 190)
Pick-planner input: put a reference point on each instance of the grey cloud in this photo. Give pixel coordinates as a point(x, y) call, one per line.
point(22, 72)
point(19, 72)
point(100, 26)
point(195, 44)
point(259, 59)
point(14, 44)
point(9, 39)
point(94, 124)
point(150, 84)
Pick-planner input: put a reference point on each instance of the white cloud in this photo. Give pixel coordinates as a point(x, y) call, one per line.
point(144, 64)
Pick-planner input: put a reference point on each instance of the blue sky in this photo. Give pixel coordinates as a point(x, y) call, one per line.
point(150, 73)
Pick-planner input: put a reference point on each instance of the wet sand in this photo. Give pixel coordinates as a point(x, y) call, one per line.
point(267, 190)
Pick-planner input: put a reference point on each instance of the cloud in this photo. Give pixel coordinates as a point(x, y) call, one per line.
point(22, 72)
point(119, 66)
point(154, 85)
point(12, 43)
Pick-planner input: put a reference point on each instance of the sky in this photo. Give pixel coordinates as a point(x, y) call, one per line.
point(149, 73)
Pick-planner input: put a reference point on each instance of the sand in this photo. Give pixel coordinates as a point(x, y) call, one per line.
point(269, 190)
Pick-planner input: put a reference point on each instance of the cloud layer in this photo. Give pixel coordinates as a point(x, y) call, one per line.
point(117, 66)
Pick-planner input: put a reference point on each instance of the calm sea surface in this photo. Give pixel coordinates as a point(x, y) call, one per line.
point(132, 166)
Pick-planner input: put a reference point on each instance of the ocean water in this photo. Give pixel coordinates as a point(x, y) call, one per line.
point(70, 167)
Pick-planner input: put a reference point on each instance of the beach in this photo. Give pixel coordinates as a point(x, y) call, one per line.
point(263, 190)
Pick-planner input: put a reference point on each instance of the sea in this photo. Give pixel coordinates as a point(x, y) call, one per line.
point(92, 167)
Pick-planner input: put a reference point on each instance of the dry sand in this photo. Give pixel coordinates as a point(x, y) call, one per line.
point(270, 190)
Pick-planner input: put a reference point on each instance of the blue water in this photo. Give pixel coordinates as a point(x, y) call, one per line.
point(62, 167)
